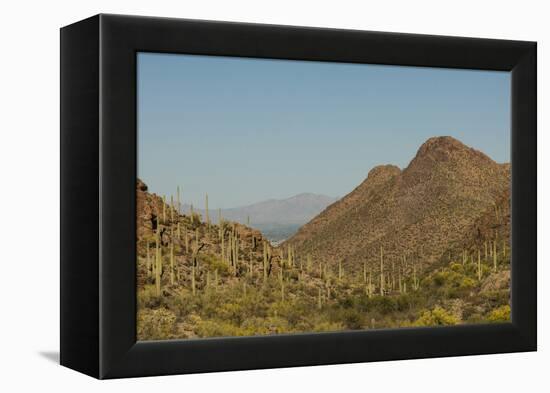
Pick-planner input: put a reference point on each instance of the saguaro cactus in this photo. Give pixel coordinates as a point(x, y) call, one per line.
point(392, 275)
point(399, 279)
point(193, 283)
point(179, 200)
point(416, 283)
point(172, 277)
point(250, 263)
point(171, 208)
point(196, 239)
point(371, 287)
point(381, 271)
point(158, 267)
point(148, 261)
point(164, 208)
point(265, 260)
point(495, 255)
point(206, 211)
point(222, 245)
point(290, 261)
point(478, 265)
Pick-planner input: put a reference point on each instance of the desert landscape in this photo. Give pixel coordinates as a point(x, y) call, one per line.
point(426, 245)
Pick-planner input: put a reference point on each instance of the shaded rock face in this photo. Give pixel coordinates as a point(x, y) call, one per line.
point(417, 213)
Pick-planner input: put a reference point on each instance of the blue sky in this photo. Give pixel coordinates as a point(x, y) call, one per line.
point(246, 130)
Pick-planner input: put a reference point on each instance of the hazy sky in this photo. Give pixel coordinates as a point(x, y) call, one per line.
point(246, 130)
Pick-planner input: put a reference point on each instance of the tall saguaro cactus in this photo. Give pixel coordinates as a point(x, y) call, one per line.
point(179, 200)
point(222, 237)
point(478, 265)
point(371, 287)
point(164, 209)
point(416, 283)
point(265, 260)
point(148, 261)
point(158, 265)
point(495, 255)
point(172, 276)
point(381, 271)
point(399, 279)
point(193, 283)
point(172, 208)
point(206, 211)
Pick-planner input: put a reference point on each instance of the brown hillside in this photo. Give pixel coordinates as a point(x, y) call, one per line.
point(187, 235)
point(416, 213)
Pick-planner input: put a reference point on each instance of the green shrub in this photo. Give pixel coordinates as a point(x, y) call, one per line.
point(353, 319)
point(345, 302)
point(501, 314)
point(382, 304)
point(327, 327)
point(211, 328)
point(436, 317)
point(156, 324)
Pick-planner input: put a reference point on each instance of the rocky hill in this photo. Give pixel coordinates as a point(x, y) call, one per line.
point(417, 213)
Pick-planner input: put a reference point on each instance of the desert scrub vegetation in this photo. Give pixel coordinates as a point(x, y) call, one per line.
point(198, 279)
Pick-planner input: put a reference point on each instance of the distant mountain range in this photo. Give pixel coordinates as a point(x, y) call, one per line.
point(277, 219)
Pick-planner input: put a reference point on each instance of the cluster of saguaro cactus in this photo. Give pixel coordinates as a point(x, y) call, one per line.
point(177, 244)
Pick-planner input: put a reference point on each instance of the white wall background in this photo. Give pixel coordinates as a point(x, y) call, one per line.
point(29, 194)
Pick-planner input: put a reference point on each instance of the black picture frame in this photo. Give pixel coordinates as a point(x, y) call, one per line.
point(98, 198)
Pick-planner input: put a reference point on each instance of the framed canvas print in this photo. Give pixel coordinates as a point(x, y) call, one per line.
point(239, 196)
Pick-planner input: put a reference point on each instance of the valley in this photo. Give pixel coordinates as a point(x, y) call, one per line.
point(427, 245)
